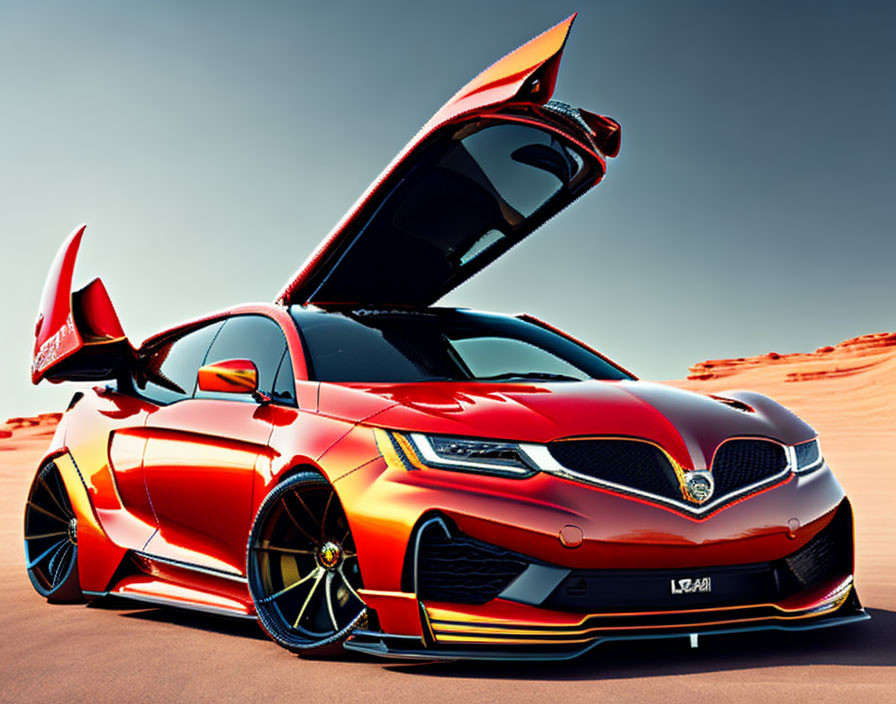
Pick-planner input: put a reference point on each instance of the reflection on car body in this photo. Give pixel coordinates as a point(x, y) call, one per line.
point(357, 468)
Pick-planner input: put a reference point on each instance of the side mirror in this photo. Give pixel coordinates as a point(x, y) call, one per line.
point(230, 376)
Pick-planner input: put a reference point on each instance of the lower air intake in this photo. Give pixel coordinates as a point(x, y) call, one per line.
point(462, 570)
point(829, 554)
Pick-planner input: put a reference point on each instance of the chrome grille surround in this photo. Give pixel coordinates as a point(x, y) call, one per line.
point(541, 456)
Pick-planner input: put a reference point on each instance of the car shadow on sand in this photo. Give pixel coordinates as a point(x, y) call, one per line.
point(869, 643)
point(227, 625)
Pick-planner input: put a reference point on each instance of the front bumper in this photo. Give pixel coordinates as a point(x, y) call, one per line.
point(528, 520)
point(475, 600)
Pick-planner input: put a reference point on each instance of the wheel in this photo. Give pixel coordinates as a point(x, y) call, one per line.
point(51, 538)
point(303, 568)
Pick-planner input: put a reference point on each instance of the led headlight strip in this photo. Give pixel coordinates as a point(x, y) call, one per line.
point(418, 451)
point(474, 455)
point(807, 457)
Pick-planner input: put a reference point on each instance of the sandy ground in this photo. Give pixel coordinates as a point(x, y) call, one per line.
point(121, 653)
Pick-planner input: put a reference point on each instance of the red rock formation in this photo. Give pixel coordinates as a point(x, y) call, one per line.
point(848, 357)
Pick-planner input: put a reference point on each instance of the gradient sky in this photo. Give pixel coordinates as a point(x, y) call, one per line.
point(210, 145)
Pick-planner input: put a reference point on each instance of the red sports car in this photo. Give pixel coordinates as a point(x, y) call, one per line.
point(356, 468)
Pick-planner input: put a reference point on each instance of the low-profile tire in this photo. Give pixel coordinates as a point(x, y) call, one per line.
point(302, 567)
point(51, 538)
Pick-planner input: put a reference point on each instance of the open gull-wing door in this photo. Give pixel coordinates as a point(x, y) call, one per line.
point(493, 164)
point(78, 336)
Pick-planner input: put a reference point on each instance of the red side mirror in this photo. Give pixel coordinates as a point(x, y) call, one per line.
point(233, 376)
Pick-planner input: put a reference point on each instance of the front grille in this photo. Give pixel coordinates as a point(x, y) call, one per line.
point(461, 569)
point(740, 463)
point(628, 463)
point(644, 467)
point(826, 556)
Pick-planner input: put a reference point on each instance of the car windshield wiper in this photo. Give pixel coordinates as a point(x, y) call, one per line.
point(535, 376)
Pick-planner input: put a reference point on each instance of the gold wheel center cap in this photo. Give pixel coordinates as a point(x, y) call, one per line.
point(329, 555)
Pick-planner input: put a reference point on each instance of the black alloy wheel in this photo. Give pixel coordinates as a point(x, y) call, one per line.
point(303, 566)
point(51, 538)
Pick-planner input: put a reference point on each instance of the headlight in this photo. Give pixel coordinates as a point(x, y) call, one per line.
point(807, 457)
point(473, 455)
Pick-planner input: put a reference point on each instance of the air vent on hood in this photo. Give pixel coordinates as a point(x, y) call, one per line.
point(733, 403)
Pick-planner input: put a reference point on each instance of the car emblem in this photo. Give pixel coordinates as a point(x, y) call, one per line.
point(699, 485)
point(329, 555)
point(691, 586)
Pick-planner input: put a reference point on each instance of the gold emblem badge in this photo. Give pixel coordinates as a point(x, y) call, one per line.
point(329, 555)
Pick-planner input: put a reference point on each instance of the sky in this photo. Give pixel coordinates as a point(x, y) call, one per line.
point(209, 146)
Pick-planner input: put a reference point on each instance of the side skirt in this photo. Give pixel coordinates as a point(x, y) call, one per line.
point(163, 601)
point(166, 582)
point(152, 590)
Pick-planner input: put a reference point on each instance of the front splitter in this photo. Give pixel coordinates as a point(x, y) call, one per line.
point(412, 647)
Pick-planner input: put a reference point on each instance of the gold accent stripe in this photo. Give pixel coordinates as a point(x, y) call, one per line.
point(387, 594)
point(519, 641)
point(485, 636)
point(427, 624)
point(387, 450)
point(469, 633)
point(390, 454)
point(448, 615)
point(408, 450)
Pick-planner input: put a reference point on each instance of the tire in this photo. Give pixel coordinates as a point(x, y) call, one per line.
point(302, 567)
point(51, 538)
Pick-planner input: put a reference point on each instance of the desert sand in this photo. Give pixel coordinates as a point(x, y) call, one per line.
point(126, 652)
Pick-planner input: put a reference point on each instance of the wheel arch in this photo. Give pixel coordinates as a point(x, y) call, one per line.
point(294, 469)
point(303, 474)
point(98, 556)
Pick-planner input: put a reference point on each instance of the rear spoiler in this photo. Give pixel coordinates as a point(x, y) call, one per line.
point(78, 336)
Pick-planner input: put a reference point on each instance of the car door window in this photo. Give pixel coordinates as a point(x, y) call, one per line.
point(168, 373)
point(285, 383)
point(254, 337)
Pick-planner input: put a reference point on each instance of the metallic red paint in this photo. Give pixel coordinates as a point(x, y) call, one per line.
point(384, 504)
point(165, 495)
point(206, 466)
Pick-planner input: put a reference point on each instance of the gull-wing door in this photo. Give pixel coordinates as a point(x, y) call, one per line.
point(77, 336)
point(490, 167)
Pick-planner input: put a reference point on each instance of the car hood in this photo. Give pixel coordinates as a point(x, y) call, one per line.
point(473, 183)
point(688, 425)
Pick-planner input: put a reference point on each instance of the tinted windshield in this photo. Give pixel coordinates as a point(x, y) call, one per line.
point(406, 346)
